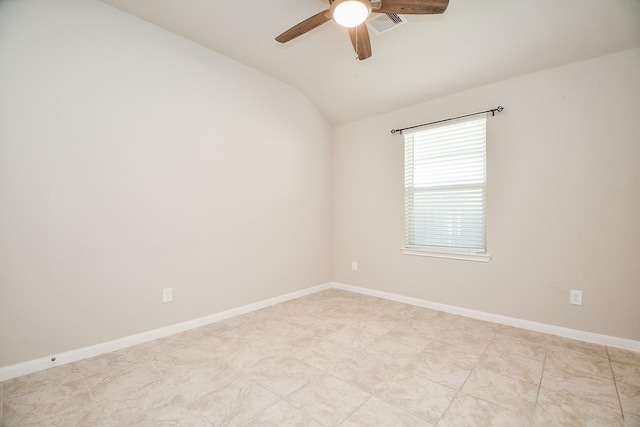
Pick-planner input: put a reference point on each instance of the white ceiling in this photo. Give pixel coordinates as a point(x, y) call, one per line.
point(474, 42)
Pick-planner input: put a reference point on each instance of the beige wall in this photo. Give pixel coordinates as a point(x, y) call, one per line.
point(133, 160)
point(563, 200)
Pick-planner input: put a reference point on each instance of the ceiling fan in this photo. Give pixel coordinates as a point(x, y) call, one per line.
point(352, 14)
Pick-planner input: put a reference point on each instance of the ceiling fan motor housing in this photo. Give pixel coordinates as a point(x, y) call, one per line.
point(350, 13)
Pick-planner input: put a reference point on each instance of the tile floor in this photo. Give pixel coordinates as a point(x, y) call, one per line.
point(337, 358)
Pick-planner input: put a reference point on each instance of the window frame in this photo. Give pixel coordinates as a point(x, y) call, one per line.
point(451, 252)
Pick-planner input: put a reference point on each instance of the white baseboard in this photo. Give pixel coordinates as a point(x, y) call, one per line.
point(576, 334)
point(40, 364)
point(35, 365)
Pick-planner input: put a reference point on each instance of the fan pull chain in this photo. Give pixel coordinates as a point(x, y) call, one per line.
point(357, 54)
point(356, 42)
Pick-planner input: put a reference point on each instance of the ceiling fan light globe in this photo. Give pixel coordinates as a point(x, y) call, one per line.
point(350, 13)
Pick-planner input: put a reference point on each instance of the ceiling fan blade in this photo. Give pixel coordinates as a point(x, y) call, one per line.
point(304, 26)
point(360, 41)
point(413, 7)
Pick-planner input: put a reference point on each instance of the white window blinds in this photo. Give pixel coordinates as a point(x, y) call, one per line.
point(445, 176)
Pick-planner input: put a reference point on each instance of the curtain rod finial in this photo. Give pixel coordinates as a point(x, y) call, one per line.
point(493, 111)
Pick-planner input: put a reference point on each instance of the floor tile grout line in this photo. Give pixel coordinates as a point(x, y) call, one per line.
point(352, 412)
point(589, 399)
point(371, 395)
point(326, 373)
point(175, 387)
point(402, 409)
point(544, 364)
point(382, 386)
point(277, 397)
point(541, 377)
point(165, 380)
point(466, 379)
point(164, 377)
point(502, 375)
point(254, 416)
point(93, 399)
point(615, 383)
point(523, 357)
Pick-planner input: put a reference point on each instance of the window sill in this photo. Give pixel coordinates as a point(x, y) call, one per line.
point(448, 255)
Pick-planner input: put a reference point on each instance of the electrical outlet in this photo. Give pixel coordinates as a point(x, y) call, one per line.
point(167, 295)
point(575, 297)
point(354, 265)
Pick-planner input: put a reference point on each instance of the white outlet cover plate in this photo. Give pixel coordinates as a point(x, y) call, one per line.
point(575, 297)
point(167, 295)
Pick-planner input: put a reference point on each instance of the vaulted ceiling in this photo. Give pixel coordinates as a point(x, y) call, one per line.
point(475, 42)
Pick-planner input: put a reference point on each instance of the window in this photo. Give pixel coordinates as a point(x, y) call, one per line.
point(445, 190)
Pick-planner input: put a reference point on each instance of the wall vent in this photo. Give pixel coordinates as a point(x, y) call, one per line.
point(384, 22)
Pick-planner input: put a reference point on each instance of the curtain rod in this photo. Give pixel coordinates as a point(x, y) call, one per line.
point(492, 111)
